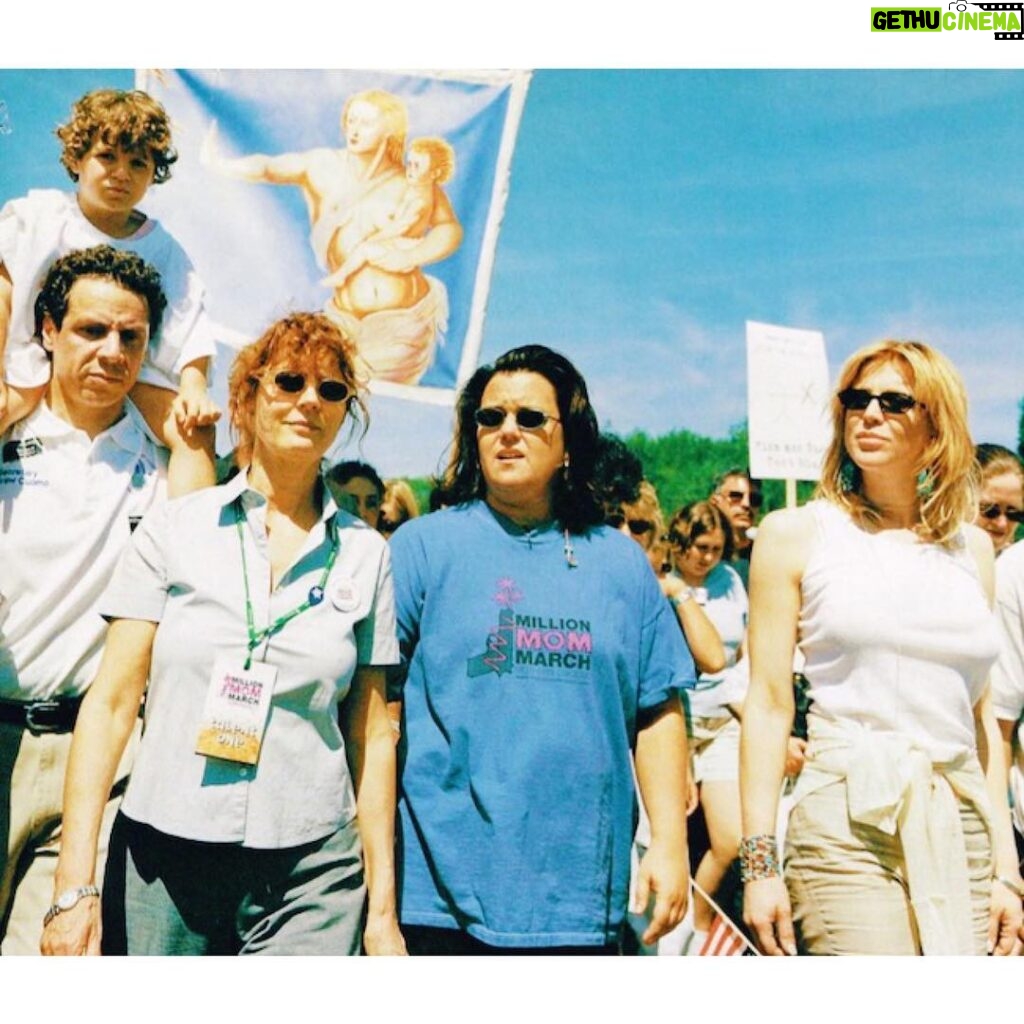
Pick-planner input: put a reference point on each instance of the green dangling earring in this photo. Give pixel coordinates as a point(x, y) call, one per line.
point(848, 474)
point(925, 486)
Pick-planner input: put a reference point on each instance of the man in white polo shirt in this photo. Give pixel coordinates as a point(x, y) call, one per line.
point(76, 475)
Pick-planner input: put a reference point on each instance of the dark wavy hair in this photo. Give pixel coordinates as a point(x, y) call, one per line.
point(342, 472)
point(127, 269)
point(618, 473)
point(573, 500)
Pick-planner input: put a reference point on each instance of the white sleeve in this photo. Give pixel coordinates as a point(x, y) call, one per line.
point(1007, 678)
point(186, 332)
point(29, 234)
point(138, 585)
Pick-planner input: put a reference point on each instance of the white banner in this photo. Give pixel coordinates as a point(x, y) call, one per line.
point(373, 196)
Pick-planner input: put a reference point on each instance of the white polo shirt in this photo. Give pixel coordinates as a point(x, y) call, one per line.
point(185, 570)
point(67, 507)
point(1008, 671)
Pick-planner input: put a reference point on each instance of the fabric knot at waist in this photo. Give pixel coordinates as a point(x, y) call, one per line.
point(894, 786)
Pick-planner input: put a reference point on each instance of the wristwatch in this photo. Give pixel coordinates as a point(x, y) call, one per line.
point(68, 899)
point(677, 600)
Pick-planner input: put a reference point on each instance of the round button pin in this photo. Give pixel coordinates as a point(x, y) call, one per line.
point(343, 593)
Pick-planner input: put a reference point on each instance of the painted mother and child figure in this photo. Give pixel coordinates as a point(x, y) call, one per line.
point(377, 215)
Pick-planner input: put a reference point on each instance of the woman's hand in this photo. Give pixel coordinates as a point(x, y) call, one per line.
point(1005, 919)
point(75, 932)
point(665, 876)
point(671, 586)
point(692, 794)
point(767, 914)
point(796, 749)
point(383, 937)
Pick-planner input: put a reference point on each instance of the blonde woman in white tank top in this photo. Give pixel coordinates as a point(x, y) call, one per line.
point(899, 841)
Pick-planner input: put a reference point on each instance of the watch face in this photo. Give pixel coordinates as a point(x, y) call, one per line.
point(67, 900)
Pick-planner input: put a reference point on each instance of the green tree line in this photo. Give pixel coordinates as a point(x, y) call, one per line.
point(683, 467)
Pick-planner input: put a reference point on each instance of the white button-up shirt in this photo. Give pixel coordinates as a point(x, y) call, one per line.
point(184, 570)
point(67, 507)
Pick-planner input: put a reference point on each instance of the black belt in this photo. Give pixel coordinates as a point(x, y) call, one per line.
point(42, 716)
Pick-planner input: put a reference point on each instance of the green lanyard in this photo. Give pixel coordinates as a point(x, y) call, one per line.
point(315, 596)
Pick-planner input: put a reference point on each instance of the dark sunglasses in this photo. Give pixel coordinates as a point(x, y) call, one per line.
point(994, 511)
point(295, 384)
point(637, 527)
point(735, 497)
point(492, 416)
point(892, 402)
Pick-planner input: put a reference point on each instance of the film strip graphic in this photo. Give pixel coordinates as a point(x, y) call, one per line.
point(1018, 7)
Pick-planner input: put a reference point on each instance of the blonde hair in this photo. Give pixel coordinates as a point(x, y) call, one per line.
point(947, 474)
point(406, 506)
point(396, 120)
point(648, 507)
point(440, 154)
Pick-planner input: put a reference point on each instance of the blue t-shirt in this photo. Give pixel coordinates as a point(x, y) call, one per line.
point(517, 804)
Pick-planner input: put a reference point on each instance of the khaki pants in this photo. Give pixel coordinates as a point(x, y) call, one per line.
point(31, 796)
point(848, 886)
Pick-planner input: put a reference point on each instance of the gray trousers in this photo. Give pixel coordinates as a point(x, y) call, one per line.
point(168, 896)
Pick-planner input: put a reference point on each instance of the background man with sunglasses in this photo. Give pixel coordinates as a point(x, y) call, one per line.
point(739, 498)
point(75, 477)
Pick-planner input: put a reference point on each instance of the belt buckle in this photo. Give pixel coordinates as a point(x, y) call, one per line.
point(42, 716)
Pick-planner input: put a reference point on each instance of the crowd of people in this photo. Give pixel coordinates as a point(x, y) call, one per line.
point(263, 705)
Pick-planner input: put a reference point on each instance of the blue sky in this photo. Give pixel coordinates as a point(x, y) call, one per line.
point(652, 212)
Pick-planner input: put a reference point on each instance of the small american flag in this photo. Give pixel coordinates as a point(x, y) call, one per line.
point(724, 938)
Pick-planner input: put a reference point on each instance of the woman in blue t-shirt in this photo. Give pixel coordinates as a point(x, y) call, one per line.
point(539, 654)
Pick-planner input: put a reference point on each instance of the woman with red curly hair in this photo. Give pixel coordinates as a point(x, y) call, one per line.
point(263, 617)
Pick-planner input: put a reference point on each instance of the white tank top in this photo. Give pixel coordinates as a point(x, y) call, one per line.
point(897, 635)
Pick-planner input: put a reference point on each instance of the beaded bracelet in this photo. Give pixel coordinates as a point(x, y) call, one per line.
point(759, 858)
